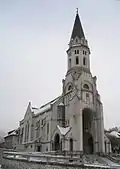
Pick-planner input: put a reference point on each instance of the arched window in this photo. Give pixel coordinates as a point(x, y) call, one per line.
point(69, 87)
point(84, 61)
point(77, 60)
point(69, 63)
point(86, 86)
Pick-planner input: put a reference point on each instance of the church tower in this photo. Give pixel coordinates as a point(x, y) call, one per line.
point(83, 107)
point(78, 52)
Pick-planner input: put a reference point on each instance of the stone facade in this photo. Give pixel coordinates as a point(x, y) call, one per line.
point(74, 121)
point(11, 140)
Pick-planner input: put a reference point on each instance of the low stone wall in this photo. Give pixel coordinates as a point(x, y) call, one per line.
point(24, 164)
point(20, 160)
point(1, 153)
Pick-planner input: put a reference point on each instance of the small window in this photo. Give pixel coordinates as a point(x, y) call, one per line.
point(42, 122)
point(69, 88)
point(77, 51)
point(69, 63)
point(76, 41)
point(84, 61)
point(85, 52)
point(77, 60)
point(86, 86)
point(47, 128)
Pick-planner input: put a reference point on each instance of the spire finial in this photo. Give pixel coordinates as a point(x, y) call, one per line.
point(76, 10)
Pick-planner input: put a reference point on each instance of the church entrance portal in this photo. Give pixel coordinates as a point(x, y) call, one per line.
point(57, 142)
point(71, 144)
point(87, 136)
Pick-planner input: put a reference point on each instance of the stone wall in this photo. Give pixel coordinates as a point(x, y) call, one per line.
point(1, 153)
point(24, 164)
point(35, 160)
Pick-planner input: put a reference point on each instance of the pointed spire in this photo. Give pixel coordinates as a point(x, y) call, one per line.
point(77, 28)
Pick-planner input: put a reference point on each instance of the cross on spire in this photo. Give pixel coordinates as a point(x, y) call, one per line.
point(76, 10)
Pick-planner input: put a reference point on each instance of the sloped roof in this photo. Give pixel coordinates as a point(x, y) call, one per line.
point(77, 28)
point(46, 107)
point(63, 130)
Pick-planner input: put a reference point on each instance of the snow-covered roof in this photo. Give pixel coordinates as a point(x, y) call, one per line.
point(51, 102)
point(63, 130)
point(35, 110)
point(12, 133)
point(115, 133)
point(45, 107)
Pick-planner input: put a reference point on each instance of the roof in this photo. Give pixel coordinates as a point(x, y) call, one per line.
point(45, 107)
point(51, 102)
point(11, 133)
point(77, 28)
point(63, 130)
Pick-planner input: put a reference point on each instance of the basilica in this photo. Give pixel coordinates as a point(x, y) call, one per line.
point(73, 121)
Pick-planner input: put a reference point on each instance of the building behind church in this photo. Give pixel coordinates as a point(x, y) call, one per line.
point(74, 121)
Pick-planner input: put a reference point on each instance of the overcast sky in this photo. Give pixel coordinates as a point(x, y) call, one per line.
point(34, 36)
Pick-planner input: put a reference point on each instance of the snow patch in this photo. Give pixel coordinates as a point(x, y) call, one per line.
point(114, 133)
point(63, 130)
point(61, 104)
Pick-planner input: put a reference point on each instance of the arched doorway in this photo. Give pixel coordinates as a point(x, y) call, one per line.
point(57, 142)
point(71, 144)
point(87, 128)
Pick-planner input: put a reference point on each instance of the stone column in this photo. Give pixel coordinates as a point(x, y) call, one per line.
point(96, 146)
point(81, 130)
point(100, 131)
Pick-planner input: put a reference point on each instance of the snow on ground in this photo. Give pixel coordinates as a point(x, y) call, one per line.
point(110, 163)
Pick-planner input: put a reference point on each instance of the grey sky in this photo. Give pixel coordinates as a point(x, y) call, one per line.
point(34, 36)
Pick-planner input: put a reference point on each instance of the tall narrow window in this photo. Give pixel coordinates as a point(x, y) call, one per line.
point(69, 88)
point(84, 61)
point(77, 51)
point(69, 63)
point(47, 128)
point(77, 60)
point(71, 144)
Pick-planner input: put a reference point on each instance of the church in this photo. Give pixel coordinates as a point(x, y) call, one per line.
point(73, 121)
